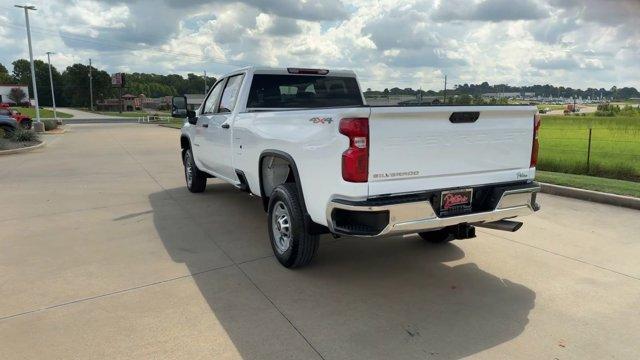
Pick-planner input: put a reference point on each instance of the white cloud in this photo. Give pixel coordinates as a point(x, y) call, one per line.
point(410, 43)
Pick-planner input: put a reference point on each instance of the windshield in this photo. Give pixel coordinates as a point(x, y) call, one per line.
point(300, 91)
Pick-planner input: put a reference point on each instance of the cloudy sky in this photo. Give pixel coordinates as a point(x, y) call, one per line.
point(405, 43)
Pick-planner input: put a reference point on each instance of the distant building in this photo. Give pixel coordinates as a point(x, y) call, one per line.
point(5, 89)
point(194, 100)
point(160, 103)
point(127, 102)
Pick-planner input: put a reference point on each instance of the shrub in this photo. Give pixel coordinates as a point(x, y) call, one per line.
point(22, 135)
point(2, 133)
point(50, 124)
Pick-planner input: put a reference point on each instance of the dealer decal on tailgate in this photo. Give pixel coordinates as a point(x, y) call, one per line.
point(456, 201)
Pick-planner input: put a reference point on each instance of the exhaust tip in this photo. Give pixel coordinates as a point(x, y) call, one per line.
point(504, 225)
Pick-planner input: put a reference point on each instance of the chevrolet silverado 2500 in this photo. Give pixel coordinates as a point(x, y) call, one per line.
point(323, 161)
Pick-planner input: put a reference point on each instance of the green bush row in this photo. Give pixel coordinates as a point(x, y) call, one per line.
point(23, 135)
point(609, 110)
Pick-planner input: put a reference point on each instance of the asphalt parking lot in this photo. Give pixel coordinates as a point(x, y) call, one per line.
point(105, 254)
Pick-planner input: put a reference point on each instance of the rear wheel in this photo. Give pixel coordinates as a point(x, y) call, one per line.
point(441, 236)
point(292, 245)
point(196, 179)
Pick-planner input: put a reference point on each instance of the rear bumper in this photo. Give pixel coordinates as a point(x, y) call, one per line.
point(401, 215)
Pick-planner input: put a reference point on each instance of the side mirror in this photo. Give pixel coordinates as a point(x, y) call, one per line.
point(191, 117)
point(179, 107)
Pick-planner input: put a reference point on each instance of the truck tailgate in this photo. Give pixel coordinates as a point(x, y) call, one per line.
point(419, 148)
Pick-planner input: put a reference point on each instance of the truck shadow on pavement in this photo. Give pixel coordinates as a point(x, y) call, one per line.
point(384, 298)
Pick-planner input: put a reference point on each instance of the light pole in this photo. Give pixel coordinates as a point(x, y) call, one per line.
point(53, 95)
point(38, 126)
point(90, 86)
point(205, 83)
point(445, 89)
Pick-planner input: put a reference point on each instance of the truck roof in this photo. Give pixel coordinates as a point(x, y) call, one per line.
point(285, 71)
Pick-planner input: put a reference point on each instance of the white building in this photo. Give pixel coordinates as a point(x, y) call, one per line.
point(5, 89)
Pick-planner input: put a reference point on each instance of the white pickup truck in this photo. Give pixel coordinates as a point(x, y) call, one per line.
point(323, 161)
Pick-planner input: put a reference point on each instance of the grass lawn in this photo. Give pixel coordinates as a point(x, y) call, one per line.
point(550, 107)
point(173, 123)
point(44, 113)
point(613, 186)
point(615, 145)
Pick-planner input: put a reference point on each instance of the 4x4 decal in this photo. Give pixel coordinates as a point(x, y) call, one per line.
point(321, 120)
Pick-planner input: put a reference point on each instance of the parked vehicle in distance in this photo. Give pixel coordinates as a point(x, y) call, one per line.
point(323, 161)
point(24, 121)
point(8, 124)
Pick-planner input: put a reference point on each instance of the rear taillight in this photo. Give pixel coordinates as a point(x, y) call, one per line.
point(355, 160)
point(536, 144)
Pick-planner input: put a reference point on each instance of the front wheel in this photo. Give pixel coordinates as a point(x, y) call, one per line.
point(292, 245)
point(26, 124)
point(196, 179)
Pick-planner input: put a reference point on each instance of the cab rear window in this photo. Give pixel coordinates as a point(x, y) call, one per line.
point(301, 91)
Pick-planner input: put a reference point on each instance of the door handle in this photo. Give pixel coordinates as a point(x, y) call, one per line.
point(205, 125)
point(225, 126)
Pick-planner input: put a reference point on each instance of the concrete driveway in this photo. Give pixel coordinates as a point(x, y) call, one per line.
point(104, 254)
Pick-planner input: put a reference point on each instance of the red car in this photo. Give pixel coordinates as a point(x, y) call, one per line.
point(23, 120)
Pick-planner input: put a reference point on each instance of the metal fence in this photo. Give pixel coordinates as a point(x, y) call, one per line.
point(614, 150)
point(154, 119)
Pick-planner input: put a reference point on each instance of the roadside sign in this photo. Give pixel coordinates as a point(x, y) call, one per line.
point(117, 80)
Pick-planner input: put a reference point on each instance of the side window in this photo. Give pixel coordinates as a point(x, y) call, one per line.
point(230, 94)
point(211, 102)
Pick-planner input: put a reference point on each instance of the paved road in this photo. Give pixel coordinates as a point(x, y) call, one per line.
point(104, 254)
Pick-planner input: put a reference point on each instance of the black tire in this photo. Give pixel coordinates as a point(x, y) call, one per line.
point(441, 236)
point(26, 124)
point(8, 130)
point(198, 180)
point(301, 247)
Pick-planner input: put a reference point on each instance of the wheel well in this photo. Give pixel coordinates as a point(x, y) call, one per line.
point(184, 143)
point(274, 170)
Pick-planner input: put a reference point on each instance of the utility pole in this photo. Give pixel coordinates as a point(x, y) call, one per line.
point(445, 89)
point(38, 126)
point(205, 83)
point(53, 95)
point(90, 86)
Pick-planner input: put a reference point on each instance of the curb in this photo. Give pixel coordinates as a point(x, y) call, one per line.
point(590, 195)
point(166, 126)
point(21, 150)
point(52, 132)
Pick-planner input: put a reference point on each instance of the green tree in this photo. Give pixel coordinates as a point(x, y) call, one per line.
point(5, 78)
point(463, 99)
point(17, 95)
point(22, 75)
point(76, 85)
